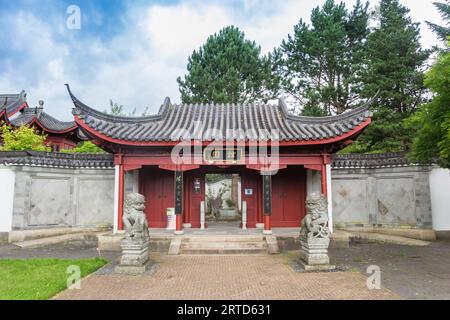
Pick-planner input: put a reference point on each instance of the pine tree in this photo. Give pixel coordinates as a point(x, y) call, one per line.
point(443, 32)
point(394, 71)
point(321, 63)
point(227, 69)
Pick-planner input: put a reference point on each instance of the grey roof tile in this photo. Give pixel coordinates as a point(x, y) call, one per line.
point(241, 122)
point(55, 159)
point(49, 123)
point(12, 103)
point(371, 161)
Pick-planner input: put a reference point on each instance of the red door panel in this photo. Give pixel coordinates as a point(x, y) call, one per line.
point(158, 189)
point(288, 197)
point(277, 198)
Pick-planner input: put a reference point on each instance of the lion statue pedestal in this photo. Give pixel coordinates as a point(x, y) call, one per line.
point(315, 235)
point(135, 256)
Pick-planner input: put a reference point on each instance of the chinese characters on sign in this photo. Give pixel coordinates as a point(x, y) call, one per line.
point(178, 192)
point(232, 154)
point(267, 197)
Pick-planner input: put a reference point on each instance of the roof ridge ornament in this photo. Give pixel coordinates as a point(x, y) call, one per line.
point(80, 109)
point(345, 115)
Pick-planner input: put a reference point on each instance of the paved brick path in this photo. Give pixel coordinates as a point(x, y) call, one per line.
point(226, 277)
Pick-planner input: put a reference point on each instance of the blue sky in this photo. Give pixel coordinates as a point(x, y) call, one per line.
point(133, 51)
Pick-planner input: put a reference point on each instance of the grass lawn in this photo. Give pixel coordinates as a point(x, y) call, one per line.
point(27, 279)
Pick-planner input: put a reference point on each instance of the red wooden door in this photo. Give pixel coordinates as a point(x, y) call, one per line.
point(288, 197)
point(195, 184)
point(158, 189)
point(250, 181)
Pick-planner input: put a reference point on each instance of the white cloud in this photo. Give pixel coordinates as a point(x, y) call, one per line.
point(139, 67)
point(175, 31)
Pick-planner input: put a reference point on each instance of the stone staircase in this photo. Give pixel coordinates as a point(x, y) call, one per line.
point(223, 244)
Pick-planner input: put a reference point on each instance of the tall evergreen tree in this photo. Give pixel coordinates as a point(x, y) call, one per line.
point(432, 120)
point(321, 63)
point(443, 32)
point(227, 69)
point(395, 71)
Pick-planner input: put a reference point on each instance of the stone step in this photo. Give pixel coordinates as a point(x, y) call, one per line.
point(25, 235)
point(223, 238)
point(225, 251)
point(223, 245)
point(385, 238)
point(42, 242)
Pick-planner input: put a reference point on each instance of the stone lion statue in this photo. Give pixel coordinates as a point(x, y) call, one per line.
point(134, 219)
point(315, 223)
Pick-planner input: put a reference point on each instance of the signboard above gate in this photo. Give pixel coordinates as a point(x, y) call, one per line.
point(223, 154)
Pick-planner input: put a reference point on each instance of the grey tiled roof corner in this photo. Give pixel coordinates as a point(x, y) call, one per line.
point(230, 122)
point(57, 160)
point(11, 103)
point(28, 115)
point(344, 161)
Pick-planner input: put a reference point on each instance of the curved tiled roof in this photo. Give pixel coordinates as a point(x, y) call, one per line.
point(44, 120)
point(12, 103)
point(231, 122)
point(55, 159)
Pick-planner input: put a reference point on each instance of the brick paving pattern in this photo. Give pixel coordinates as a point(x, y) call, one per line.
point(228, 278)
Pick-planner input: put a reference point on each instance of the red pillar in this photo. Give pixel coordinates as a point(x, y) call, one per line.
point(179, 223)
point(324, 179)
point(121, 196)
point(267, 226)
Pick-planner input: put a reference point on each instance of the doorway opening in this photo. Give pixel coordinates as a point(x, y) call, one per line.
point(223, 202)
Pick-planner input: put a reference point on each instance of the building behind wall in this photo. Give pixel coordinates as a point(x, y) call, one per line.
point(15, 112)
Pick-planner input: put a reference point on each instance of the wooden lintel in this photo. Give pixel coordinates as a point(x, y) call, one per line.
point(316, 167)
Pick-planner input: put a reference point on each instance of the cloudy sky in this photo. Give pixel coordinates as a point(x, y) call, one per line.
point(133, 51)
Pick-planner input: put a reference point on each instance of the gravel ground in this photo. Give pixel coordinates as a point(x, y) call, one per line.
point(411, 272)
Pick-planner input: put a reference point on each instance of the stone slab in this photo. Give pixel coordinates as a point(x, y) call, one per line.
point(272, 244)
point(175, 245)
point(385, 238)
point(25, 235)
point(132, 270)
point(419, 234)
point(43, 242)
point(134, 253)
point(317, 267)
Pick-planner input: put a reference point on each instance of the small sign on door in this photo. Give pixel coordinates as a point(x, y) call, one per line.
point(171, 219)
point(248, 192)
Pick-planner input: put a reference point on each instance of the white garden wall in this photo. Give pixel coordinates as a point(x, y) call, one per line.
point(440, 198)
point(7, 180)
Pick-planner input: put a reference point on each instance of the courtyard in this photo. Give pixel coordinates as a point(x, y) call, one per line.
point(407, 272)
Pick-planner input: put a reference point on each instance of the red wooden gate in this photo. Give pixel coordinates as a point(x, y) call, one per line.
point(288, 197)
point(158, 188)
